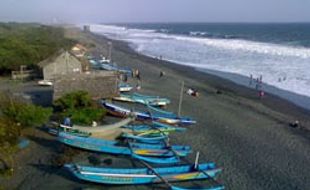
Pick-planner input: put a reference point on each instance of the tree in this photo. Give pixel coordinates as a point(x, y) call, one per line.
point(23, 114)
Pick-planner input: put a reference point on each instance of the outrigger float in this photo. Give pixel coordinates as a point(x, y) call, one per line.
point(159, 115)
point(143, 99)
point(153, 153)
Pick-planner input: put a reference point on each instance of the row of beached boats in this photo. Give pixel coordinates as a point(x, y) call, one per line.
point(147, 143)
point(106, 64)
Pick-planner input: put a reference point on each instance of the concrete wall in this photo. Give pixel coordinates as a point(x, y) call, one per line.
point(64, 64)
point(24, 75)
point(102, 84)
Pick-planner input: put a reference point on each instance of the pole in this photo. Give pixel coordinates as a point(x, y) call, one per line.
point(110, 51)
point(157, 174)
point(181, 99)
point(196, 160)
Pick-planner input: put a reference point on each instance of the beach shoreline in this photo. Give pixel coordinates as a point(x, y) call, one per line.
point(233, 123)
point(219, 80)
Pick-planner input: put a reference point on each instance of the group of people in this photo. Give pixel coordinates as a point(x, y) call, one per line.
point(192, 92)
point(136, 74)
point(258, 85)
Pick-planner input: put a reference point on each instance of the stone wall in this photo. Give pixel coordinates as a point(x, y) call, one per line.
point(24, 75)
point(103, 84)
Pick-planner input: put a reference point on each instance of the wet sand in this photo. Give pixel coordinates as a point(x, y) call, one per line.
point(247, 136)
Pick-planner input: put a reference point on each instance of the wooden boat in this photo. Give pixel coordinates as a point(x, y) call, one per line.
point(114, 147)
point(113, 67)
point(218, 187)
point(45, 83)
point(153, 139)
point(160, 117)
point(110, 131)
point(143, 99)
point(161, 127)
point(125, 176)
point(123, 87)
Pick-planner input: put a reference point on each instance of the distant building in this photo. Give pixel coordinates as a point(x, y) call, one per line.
point(86, 28)
point(101, 84)
point(79, 50)
point(62, 63)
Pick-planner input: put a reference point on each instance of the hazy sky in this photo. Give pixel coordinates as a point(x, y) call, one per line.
point(79, 11)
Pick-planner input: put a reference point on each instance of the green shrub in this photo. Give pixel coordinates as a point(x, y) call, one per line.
point(23, 114)
point(74, 100)
point(28, 115)
point(80, 107)
point(85, 115)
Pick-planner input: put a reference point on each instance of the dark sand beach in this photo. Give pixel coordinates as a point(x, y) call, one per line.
point(249, 137)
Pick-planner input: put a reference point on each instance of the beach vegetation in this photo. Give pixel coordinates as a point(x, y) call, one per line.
point(80, 106)
point(28, 44)
point(15, 116)
point(23, 114)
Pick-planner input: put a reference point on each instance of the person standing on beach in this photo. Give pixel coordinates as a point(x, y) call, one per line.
point(251, 79)
point(261, 94)
point(138, 75)
point(161, 74)
point(67, 121)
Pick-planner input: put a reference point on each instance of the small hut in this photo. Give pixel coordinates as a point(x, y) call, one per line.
point(61, 63)
point(79, 50)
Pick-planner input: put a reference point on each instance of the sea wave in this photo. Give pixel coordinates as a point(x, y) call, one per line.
point(230, 43)
point(285, 67)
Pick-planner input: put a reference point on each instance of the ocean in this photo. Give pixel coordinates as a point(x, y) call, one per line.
point(277, 53)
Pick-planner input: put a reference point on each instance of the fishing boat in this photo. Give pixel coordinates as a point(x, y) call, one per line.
point(143, 99)
point(114, 131)
point(162, 117)
point(113, 67)
point(123, 87)
point(152, 139)
point(45, 83)
point(161, 127)
point(125, 176)
point(115, 147)
point(109, 131)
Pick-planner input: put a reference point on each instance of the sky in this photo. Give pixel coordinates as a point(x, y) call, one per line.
point(111, 11)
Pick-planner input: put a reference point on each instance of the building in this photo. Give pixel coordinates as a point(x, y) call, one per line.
point(61, 63)
point(101, 84)
point(79, 50)
point(86, 28)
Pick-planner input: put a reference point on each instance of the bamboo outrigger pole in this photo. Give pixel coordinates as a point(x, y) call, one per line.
point(196, 160)
point(157, 174)
point(181, 99)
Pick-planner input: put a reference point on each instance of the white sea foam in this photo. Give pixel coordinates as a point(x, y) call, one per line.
point(282, 66)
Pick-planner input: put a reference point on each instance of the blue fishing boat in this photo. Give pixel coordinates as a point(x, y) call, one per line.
point(124, 87)
point(218, 187)
point(162, 117)
point(114, 67)
point(155, 126)
point(152, 139)
point(115, 147)
point(125, 176)
point(143, 99)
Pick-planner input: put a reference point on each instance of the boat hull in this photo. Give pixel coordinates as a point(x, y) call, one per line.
point(112, 147)
point(123, 112)
point(143, 175)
